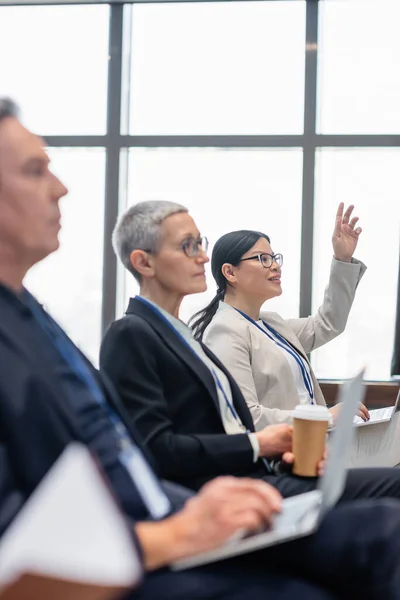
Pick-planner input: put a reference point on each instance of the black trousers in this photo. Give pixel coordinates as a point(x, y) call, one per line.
point(354, 554)
point(221, 582)
point(360, 483)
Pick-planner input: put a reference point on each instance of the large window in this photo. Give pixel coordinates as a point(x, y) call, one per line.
point(217, 68)
point(259, 114)
point(370, 178)
point(358, 98)
point(69, 282)
point(209, 74)
point(54, 64)
point(59, 80)
point(359, 56)
point(234, 189)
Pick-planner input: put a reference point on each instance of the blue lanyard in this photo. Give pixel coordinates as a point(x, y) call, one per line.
point(216, 378)
point(148, 486)
point(233, 411)
point(282, 343)
point(228, 402)
point(78, 366)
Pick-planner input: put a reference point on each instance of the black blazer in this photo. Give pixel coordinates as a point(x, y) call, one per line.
point(35, 421)
point(171, 398)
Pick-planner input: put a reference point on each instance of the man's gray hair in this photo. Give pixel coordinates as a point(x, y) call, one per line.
point(139, 229)
point(8, 108)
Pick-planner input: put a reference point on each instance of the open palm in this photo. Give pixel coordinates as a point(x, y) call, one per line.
point(345, 236)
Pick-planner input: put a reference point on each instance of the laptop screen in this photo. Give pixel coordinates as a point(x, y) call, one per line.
point(351, 393)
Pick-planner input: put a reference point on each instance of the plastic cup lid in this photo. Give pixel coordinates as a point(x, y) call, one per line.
point(312, 412)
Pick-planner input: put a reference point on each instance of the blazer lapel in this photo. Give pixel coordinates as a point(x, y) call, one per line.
point(285, 332)
point(237, 397)
point(174, 342)
point(114, 400)
point(12, 328)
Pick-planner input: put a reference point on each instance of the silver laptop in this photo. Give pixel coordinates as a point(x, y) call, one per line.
point(379, 415)
point(300, 515)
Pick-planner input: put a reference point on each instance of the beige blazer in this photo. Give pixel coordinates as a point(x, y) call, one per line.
point(259, 367)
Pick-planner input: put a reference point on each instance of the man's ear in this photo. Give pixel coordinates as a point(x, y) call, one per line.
point(141, 261)
point(228, 271)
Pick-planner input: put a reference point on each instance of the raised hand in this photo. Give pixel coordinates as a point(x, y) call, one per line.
point(345, 236)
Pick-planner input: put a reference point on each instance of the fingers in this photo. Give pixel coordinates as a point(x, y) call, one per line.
point(338, 220)
point(282, 428)
point(353, 222)
point(347, 214)
point(242, 503)
point(287, 437)
point(288, 457)
point(339, 212)
point(344, 219)
point(266, 493)
point(229, 487)
point(363, 412)
point(274, 440)
point(322, 462)
point(335, 410)
point(251, 521)
point(285, 430)
point(251, 504)
point(352, 225)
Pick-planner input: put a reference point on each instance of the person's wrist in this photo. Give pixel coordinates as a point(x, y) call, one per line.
point(346, 259)
point(183, 535)
point(164, 542)
point(261, 442)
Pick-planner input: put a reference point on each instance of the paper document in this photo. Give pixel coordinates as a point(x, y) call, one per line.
point(70, 534)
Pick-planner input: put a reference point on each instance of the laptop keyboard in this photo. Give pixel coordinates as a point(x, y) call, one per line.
point(377, 414)
point(295, 509)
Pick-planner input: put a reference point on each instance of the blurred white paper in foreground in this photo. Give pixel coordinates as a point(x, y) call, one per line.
point(71, 536)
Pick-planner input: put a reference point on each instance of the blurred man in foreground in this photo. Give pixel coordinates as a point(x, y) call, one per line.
point(51, 395)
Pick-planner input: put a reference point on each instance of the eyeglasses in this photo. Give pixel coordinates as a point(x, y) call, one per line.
point(266, 260)
point(191, 246)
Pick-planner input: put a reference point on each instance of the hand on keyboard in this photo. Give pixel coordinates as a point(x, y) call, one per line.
point(362, 413)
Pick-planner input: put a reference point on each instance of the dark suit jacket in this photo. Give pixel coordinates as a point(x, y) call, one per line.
point(172, 400)
point(36, 423)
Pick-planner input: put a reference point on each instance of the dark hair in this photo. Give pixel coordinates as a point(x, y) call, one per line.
point(8, 108)
point(228, 249)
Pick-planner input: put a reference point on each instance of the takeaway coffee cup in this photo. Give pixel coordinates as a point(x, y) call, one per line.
point(310, 425)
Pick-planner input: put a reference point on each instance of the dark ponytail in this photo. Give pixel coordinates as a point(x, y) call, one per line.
point(228, 249)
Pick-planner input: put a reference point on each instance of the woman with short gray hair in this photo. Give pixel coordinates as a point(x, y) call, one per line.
point(140, 228)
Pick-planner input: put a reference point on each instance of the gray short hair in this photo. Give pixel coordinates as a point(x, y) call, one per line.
point(139, 229)
point(8, 108)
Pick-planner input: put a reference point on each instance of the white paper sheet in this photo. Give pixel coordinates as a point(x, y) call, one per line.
point(71, 528)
